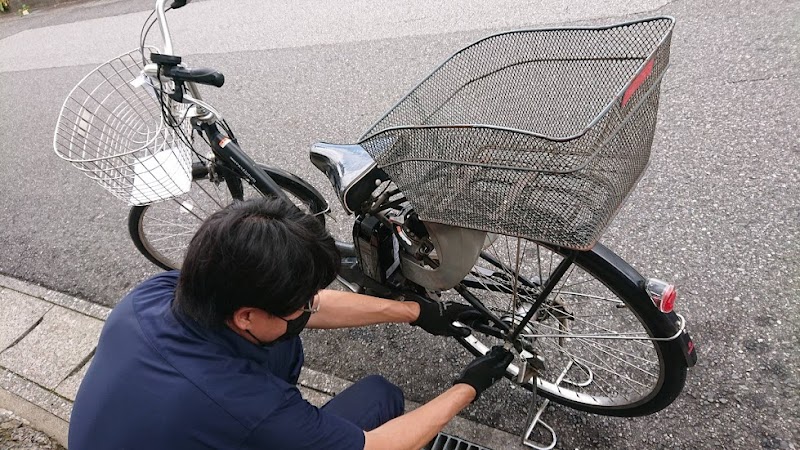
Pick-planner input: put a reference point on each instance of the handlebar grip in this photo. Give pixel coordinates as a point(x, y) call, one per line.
point(200, 75)
point(178, 4)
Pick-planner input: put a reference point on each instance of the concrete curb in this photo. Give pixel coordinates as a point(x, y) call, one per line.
point(39, 418)
point(47, 339)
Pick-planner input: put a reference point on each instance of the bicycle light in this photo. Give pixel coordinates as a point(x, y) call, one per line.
point(662, 293)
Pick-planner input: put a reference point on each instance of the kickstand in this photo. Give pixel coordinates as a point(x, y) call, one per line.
point(535, 418)
point(528, 373)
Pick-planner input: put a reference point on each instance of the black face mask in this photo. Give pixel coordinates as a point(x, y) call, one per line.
point(293, 328)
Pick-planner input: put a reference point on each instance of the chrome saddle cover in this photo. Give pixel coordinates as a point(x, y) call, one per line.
point(354, 175)
point(350, 169)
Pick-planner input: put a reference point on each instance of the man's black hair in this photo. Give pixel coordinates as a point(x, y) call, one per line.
point(262, 253)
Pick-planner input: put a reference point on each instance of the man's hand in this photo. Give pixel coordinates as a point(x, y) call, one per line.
point(437, 317)
point(482, 372)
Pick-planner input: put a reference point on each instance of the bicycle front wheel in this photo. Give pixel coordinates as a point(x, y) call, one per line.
point(162, 231)
point(594, 331)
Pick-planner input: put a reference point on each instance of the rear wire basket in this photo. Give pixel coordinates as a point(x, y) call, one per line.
point(539, 134)
point(112, 129)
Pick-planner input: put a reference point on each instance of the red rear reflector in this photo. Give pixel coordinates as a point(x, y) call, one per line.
point(662, 293)
point(637, 82)
point(668, 299)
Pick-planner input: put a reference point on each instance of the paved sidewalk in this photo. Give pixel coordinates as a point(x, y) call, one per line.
point(47, 340)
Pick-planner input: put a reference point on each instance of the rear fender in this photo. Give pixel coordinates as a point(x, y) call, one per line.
point(635, 283)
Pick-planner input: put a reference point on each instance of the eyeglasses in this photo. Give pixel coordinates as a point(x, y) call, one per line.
point(309, 308)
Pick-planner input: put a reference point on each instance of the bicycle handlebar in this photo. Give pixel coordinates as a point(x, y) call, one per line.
point(202, 75)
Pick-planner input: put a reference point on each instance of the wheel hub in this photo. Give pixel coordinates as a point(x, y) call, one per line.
point(513, 320)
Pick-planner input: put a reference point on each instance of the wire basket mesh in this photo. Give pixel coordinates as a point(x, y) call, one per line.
point(535, 133)
point(112, 129)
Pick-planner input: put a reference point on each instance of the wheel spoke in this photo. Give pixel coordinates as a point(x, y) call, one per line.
point(170, 236)
point(215, 199)
point(183, 207)
point(163, 230)
point(179, 248)
point(609, 332)
point(582, 320)
point(600, 366)
point(600, 346)
point(171, 224)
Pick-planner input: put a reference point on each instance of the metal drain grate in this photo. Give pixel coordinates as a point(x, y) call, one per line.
point(444, 441)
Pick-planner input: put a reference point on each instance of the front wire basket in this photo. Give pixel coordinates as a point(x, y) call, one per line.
point(111, 128)
point(540, 134)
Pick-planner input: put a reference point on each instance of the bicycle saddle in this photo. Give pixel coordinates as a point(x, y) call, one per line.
point(352, 172)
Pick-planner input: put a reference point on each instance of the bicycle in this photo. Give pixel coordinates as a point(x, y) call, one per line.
point(491, 181)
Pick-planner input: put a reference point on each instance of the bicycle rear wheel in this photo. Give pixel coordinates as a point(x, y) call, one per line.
point(162, 231)
point(593, 331)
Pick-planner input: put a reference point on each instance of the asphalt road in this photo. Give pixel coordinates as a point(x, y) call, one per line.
point(718, 211)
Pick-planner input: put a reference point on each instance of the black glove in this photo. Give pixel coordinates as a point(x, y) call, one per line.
point(438, 317)
point(482, 372)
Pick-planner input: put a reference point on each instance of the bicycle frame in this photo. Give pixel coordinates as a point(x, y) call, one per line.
point(231, 157)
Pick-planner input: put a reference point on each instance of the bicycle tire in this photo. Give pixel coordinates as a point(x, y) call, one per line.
point(190, 209)
point(608, 270)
